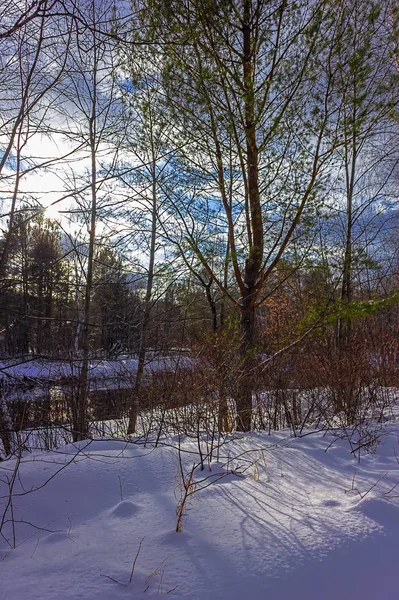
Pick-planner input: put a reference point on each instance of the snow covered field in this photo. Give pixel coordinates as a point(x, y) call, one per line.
point(275, 518)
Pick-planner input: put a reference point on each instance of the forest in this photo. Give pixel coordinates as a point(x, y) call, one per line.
point(199, 209)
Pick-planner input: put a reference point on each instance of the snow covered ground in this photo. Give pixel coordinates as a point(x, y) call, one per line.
point(275, 518)
point(40, 370)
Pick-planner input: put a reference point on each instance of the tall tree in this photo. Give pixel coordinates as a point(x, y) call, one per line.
point(248, 86)
point(111, 303)
point(90, 111)
point(365, 92)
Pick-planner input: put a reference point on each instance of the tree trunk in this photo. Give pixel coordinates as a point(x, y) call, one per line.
point(81, 426)
point(135, 404)
point(5, 428)
point(253, 265)
point(246, 376)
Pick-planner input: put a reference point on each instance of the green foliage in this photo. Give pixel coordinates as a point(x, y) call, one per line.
point(329, 313)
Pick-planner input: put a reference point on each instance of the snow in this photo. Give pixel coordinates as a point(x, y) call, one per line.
point(101, 368)
point(275, 518)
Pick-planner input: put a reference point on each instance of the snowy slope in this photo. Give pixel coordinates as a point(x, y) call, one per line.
point(292, 521)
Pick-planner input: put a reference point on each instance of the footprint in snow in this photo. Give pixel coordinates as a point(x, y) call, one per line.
point(57, 536)
point(124, 510)
point(330, 503)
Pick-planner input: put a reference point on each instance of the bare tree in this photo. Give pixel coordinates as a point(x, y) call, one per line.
point(32, 67)
point(90, 111)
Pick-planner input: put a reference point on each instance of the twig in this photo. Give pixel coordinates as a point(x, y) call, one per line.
point(120, 487)
point(135, 560)
point(114, 580)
